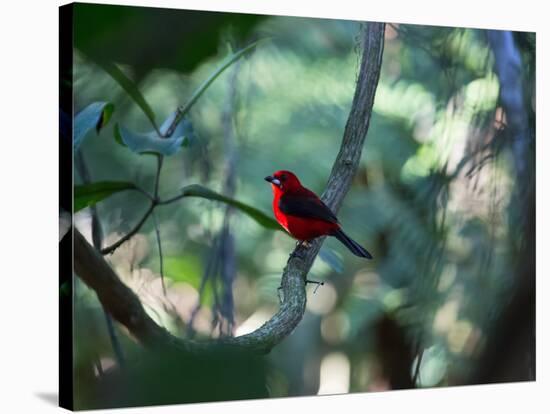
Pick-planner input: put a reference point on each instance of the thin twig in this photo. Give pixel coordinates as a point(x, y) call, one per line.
point(145, 193)
point(161, 262)
point(160, 160)
point(417, 367)
point(154, 202)
point(171, 200)
point(117, 244)
point(469, 157)
point(481, 163)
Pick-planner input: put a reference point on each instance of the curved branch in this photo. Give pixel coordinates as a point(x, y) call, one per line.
point(339, 182)
point(126, 307)
point(117, 298)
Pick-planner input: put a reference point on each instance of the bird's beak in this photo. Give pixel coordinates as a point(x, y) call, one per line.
point(272, 180)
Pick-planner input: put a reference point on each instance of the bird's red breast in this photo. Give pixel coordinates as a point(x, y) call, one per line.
point(299, 210)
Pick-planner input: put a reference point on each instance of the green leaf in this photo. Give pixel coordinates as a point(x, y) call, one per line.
point(176, 128)
point(130, 87)
point(188, 268)
point(259, 216)
point(183, 126)
point(149, 142)
point(89, 194)
point(118, 137)
point(94, 116)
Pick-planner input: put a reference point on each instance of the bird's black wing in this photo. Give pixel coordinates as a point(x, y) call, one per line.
point(307, 207)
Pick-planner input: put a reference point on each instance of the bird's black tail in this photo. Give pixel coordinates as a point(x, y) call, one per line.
point(354, 247)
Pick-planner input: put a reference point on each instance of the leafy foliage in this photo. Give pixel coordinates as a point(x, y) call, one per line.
point(94, 116)
point(150, 142)
point(261, 218)
point(176, 131)
point(129, 87)
point(89, 194)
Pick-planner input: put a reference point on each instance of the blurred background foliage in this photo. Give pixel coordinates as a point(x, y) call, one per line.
point(431, 202)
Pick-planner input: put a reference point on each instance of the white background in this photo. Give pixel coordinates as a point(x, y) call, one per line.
point(29, 210)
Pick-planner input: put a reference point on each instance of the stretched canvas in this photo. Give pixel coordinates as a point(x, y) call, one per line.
point(257, 206)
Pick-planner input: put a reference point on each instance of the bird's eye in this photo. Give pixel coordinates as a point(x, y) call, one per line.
point(283, 177)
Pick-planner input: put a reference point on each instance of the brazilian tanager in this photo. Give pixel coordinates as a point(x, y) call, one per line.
point(304, 215)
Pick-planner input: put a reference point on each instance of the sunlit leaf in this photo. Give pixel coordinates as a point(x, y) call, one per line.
point(94, 116)
point(89, 194)
point(150, 142)
point(421, 164)
point(482, 93)
point(260, 217)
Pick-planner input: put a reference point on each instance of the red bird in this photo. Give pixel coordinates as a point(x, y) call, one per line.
point(304, 215)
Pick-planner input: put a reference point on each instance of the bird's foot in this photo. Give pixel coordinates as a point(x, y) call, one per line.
point(315, 282)
point(303, 243)
point(297, 253)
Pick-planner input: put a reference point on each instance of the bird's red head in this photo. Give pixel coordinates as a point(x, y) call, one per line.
point(283, 181)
